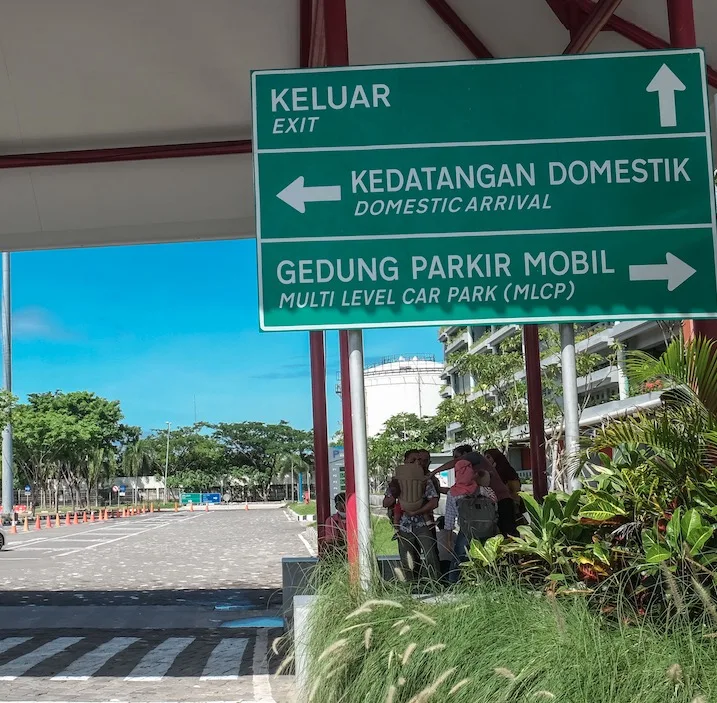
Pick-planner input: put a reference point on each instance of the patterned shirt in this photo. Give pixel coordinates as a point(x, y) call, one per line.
point(452, 505)
point(411, 522)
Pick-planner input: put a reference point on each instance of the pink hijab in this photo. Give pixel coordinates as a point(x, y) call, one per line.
point(465, 484)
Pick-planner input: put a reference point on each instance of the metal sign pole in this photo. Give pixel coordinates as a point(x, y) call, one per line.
point(7, 461)
point(358, 424)
point(571, 411)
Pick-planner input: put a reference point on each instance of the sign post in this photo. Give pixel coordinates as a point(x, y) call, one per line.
point(516, 190)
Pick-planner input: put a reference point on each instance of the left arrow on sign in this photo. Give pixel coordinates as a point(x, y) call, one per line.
point(296, 194)
point(665, 84)
point(674, 271)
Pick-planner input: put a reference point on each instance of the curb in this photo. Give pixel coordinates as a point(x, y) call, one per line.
point(303, 518)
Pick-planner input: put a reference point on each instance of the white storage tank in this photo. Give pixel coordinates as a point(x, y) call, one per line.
point(401, 384)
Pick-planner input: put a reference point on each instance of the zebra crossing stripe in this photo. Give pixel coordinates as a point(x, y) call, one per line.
point(155, 664)
point(10, 642)
point(225, 660)
point(17, 667)
point(84, 667)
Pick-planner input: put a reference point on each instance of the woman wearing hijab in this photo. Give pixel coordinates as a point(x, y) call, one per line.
point(510, 478)
point(468, 483)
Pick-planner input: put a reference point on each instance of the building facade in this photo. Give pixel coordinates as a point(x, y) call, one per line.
point(603, 393)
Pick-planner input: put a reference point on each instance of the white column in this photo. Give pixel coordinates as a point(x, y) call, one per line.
point(358, 423)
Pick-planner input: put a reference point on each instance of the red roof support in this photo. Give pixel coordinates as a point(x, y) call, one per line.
point(454, 22)
point(130, 153)
point(596, 20)
point(681, 18)
point(639, 36)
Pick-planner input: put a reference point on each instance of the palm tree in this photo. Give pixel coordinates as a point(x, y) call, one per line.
point(139, 459)
point(291, 462)
point(676, 442)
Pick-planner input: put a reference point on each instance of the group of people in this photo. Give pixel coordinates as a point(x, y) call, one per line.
point(483, 501)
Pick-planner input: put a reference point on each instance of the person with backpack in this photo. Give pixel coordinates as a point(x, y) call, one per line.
point(507, 523)
point(418, 497)
point(473, 504)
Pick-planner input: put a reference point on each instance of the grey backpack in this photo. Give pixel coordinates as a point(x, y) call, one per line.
point(477, 517)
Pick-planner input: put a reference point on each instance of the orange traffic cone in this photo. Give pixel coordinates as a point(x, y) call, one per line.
point(206, 507)
point(37, 523)
point(48, 524)
point(57, 519)
point(151, 507)
point(13, 528)
point(92, 516)
point(246, 505)
point(75, 521)
point(67, 519)
point(107, 514)
point(25, 526)
point(191, 507)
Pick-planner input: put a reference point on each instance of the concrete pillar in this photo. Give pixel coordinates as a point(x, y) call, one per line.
point(622, 382)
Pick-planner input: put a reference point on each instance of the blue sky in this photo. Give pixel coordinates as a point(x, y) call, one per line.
point(158, 326)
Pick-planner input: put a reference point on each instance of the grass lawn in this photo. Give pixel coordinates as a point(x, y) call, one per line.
point(382, 534)
point(303, 508)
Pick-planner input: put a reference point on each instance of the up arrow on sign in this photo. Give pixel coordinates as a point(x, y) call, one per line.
point(296, 194)
point(665, 84)
point(675, 272)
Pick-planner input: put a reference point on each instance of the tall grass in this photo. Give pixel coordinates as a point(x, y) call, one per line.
point(496, 643)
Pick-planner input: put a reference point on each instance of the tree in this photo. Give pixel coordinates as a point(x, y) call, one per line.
point(196, 460)
point(252, 450)
point(140, 458)
point(400, 433)
point(57, 437)
point(497, 404)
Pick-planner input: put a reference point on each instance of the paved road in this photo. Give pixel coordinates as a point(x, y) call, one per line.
point(161, 607)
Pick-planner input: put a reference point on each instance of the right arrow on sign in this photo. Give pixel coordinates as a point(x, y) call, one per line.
point(665, 84)
point(296, 194)
point(675, 272)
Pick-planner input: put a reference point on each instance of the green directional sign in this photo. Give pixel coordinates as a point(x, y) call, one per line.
point(520, 190)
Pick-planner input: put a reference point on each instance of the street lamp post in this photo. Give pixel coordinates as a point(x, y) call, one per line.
point(166, 462)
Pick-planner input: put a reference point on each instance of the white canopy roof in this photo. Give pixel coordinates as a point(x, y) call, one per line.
point(87, 74)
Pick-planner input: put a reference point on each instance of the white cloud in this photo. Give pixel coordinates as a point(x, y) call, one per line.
point(37, 323)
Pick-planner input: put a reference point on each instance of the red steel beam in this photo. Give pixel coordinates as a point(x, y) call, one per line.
point(596, 20)
point(337, 54)
point(681, 20)
point(130, 153)
point(639, 36)
point(536, 420)
point(311, 52)
point(351, 518)
point(454, 22)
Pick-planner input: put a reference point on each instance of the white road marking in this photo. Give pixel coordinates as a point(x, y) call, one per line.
point(83, 668)
point(260, 678)
point(309, 548)
point(112, 541)
point(10, 642)
point(17, 667)
point(287, 516)
point(225, 660)
point(155, 664)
